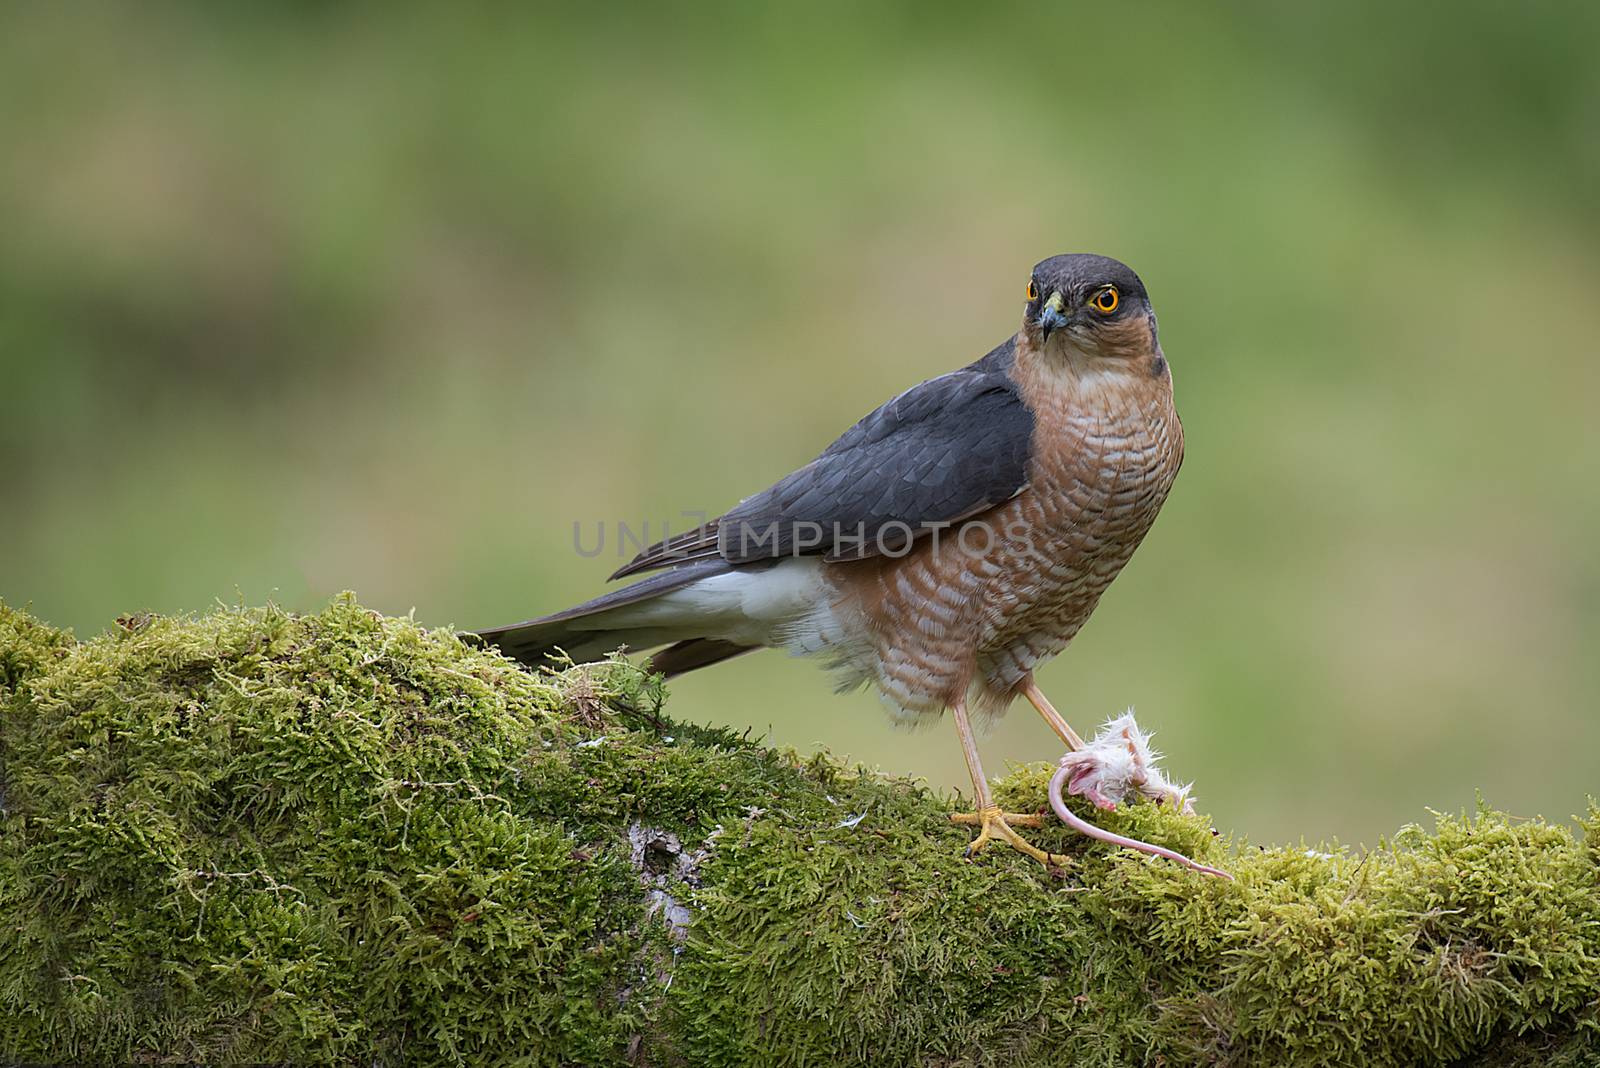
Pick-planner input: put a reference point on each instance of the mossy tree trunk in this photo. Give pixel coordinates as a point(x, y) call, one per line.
point(260, 837)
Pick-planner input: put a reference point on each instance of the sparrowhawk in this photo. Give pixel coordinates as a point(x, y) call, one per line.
point(946, 545)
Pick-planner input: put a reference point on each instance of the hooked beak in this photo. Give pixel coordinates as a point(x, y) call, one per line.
point(1051, 317)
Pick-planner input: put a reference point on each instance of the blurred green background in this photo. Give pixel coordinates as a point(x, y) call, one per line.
point(308, 297)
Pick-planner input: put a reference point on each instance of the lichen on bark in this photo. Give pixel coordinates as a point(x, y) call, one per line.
point(254, 836)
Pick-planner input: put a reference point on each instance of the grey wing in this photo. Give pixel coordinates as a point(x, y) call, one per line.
point(941, 452)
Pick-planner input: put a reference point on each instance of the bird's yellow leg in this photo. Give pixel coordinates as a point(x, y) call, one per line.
point(993, 824)
point(1040, 702)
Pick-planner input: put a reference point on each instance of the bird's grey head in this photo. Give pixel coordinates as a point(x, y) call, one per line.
point(1093, 305)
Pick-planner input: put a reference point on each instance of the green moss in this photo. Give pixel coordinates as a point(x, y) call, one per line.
point(254, 836)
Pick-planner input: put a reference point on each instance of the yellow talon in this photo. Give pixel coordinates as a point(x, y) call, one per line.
point(996, 826)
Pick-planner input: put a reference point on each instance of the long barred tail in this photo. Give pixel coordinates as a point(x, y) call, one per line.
point(624, 618)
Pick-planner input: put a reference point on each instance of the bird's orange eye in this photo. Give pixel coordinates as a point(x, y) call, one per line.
point(1105, 302)
point(1033, 290)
